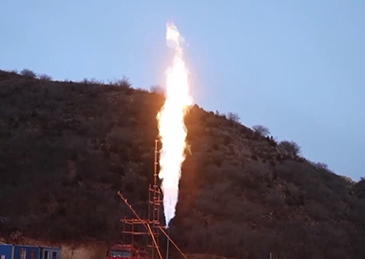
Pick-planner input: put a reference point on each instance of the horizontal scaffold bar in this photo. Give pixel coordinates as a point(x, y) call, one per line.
point(136, 233)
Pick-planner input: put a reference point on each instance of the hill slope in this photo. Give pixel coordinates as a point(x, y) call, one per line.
point(66, 148)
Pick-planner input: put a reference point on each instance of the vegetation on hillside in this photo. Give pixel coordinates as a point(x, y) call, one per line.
point(67, 148)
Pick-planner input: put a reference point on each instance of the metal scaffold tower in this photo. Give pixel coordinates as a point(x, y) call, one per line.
point(151, 225)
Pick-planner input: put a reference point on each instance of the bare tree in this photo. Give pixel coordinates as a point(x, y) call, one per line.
point(290, 147)
point(233, 117)
point(124, 82)
point(85, 81)
point(28, 73)
point(44, 77)
point(319, 165)
point(262, 130)
point(92, 81)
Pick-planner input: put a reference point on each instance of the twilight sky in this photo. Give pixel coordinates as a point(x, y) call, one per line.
point(296, 67)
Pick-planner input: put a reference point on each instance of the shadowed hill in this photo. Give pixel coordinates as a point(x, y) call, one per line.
point(66, 148)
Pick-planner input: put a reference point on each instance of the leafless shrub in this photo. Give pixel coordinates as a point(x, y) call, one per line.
point(233, 117)
point(94, 81)
point(320, 165)
point(124, 82)
point(85, 81)
point(323, 167)
point(262, 130)
point(290, 147)
point(44, 77)
point(28, 73)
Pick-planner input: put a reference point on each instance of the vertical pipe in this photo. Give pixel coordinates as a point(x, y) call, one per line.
point(155, 169)
point(149, 204)
point(132, 233)
point(149, 214)
point(168, 243)
point(159, 200)
point(154, 195)
point(123, 241)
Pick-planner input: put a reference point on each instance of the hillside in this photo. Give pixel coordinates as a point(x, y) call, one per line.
point(66, 148)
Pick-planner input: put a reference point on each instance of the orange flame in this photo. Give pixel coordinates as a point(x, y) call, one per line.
point(172, 130)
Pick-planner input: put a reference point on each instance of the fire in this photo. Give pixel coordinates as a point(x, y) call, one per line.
point(172, 130)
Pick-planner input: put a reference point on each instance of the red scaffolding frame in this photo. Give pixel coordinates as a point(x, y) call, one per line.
point(151, 226)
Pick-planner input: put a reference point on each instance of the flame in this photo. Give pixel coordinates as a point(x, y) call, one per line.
point(172, 130)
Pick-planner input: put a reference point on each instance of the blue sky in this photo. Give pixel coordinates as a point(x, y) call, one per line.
point(296, 67)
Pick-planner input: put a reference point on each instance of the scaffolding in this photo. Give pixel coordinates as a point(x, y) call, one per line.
point(151, 225)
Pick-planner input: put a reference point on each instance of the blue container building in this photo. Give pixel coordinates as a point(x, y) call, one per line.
point(48, 253)
point(5, 251)
point(8, 251)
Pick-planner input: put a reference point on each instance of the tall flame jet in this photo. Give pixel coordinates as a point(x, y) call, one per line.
point(172, 130)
